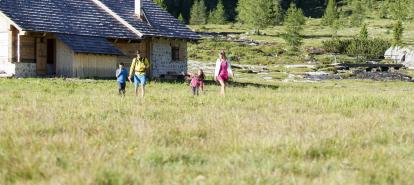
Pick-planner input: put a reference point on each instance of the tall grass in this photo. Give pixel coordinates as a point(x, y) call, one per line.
point(81, 132)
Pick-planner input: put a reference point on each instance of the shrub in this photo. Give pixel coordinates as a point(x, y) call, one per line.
point(365, 48)
point(368, 49)
point(336, 45)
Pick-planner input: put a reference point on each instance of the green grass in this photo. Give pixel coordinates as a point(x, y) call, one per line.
point(81, 132)
point(274, 52)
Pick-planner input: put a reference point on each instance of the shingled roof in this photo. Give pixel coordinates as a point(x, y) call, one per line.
point(79, 17)
point(85, 18)
point(160, 22)
point(87, 44)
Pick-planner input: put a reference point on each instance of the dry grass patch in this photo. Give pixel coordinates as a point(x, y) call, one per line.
point(81, 132)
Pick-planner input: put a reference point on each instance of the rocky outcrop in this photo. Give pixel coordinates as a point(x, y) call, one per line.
point(401, 55)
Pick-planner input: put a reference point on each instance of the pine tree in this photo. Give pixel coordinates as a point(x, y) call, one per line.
point(330, 13)
point(181, 18)
point(399, 9)
point(363, 33)
point(383, 12)
point(412, 10)
point(218, 15)
point(337, 24)
point(258, 14)
point(397, 33)
point(358, 13)
point(161, 3)
point(277, 13)
point(294, 22)
point(198, 13)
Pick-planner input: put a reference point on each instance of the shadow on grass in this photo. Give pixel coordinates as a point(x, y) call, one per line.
point(322, 36)
point(231, 83)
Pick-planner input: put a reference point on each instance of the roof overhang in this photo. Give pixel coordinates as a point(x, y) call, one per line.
point(89, 45)
point(10, 21)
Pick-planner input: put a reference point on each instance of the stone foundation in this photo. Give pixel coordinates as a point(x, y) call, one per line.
point(24, 70)
point(162, 63)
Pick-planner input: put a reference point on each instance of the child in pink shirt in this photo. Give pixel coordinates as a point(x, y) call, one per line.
point(197, 82)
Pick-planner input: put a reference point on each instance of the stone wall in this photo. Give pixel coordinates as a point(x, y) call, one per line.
point(162, 63)
point(23, 70)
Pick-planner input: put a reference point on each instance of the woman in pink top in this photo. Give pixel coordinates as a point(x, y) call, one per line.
point(223, 71)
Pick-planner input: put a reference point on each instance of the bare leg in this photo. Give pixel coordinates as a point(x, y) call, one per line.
point(142, 90)
point(223, 88)
point(202, 89)
point(136, 90)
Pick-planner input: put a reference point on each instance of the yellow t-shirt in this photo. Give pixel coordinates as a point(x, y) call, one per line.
point(139, 67)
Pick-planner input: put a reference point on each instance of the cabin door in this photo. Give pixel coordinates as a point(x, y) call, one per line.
point(41, 56)
point(51, 56)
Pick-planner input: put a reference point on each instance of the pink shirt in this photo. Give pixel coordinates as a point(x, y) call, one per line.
point(196, 81)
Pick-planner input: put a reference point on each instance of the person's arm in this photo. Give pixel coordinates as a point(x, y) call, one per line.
point(229, 69)
point(148, 64)
point(217, 70)
point(132, 69)
point(117, 73)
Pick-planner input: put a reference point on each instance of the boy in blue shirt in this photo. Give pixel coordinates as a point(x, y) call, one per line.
point(121, 75)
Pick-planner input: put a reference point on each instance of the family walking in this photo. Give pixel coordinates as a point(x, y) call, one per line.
point(141, 65)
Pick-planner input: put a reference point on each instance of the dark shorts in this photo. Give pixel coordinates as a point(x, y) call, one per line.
point(121, 86)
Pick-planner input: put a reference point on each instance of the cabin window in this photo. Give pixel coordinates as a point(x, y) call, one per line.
point(175, 51)
point(27, 49)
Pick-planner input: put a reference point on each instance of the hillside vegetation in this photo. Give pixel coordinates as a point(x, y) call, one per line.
point(380, 18)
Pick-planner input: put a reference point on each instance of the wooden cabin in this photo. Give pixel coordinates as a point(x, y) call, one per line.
point(89, 38)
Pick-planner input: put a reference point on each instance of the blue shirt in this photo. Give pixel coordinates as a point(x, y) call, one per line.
point(121, 75)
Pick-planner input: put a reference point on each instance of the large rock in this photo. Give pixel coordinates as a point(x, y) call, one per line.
point(402, 55)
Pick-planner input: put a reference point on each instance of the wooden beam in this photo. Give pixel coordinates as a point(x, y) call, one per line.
point(18, 48)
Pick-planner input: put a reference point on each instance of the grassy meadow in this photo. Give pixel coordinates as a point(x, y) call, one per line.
point(274, 49)
point(55, 131)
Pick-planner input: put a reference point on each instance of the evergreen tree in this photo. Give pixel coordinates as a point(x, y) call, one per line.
point(358, 13)
point(397, 33)
point(181, 18)
point(218, 15)
point(337, 24)
point(277, 13)
point(294, 22)
point(198, 13)
point(383, 12)
point(363, 33)
point(258, 14)
point(161, 3)
point(330, 13)
point(412, 10)
point(399, 9)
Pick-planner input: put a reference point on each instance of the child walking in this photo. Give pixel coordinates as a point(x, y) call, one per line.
point(121, 75)
point(197, 82)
